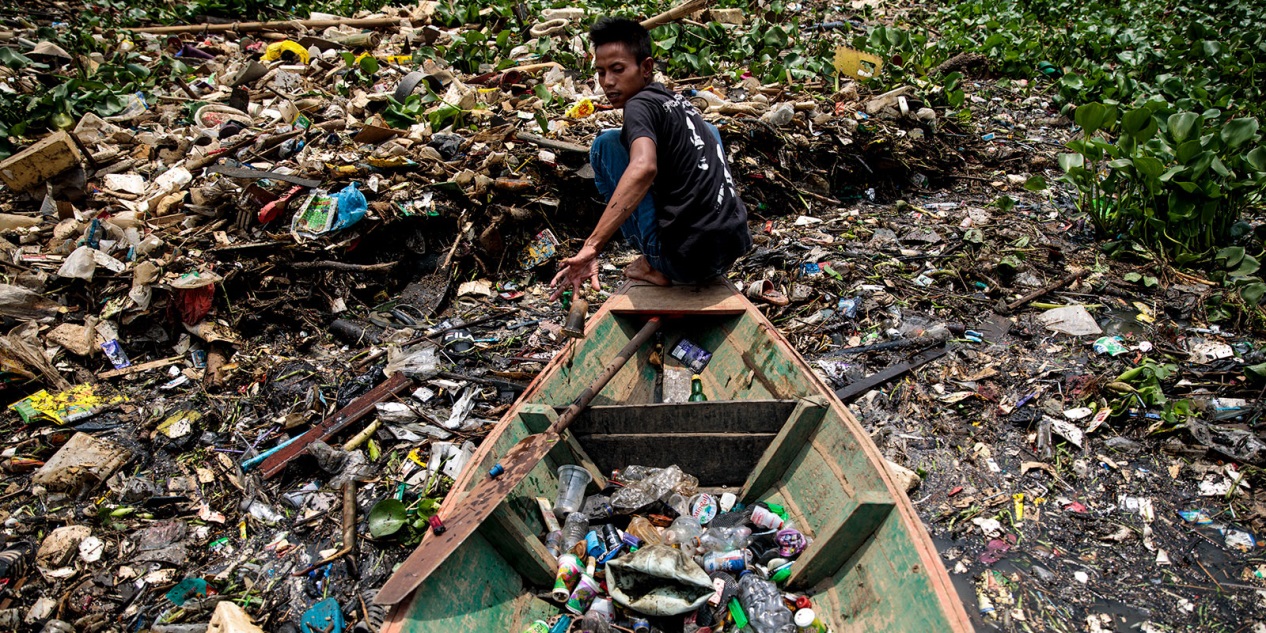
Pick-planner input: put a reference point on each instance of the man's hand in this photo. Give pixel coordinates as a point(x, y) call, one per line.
point(575, 272)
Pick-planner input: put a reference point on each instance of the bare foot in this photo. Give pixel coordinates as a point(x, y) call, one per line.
point(641, 270)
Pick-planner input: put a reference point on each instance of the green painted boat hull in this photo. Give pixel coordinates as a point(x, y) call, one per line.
point(771, 431)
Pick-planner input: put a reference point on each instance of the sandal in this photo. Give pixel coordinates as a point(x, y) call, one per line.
point(763, 290)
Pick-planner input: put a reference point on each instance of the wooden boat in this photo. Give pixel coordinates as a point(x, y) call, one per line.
point(771, 430)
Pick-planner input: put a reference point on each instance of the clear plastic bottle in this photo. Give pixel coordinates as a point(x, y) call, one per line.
point(684, 534)
point(724, 539)
point(640, 527)
point(574, 529)
point(766, 612)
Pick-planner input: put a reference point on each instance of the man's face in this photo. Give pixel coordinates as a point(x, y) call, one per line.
point(619, 74)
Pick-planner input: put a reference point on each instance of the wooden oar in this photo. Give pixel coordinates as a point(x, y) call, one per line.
point(480, 503)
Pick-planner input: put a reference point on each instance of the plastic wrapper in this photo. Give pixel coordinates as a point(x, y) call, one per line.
point(421, 362)
point(651, 488)
point(658, 581)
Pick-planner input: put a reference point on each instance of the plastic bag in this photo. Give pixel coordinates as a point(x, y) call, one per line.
point(422, 362)
point(656, 485)
point(81, 264)
point(20, 303)
point(658, 580)
point(352, 207)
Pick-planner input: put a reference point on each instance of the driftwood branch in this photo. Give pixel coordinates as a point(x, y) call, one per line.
point(284, 25)
point(676, 13)
point(562, 146)
point(344, 266)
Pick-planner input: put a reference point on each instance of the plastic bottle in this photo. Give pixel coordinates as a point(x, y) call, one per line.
point(733, 561)
point(766, 612)
point(554, 543)
point(642, 528)
point(574, 529)
point(646, 491)
point(723, 539)
point(684, 534)
point(696, 389)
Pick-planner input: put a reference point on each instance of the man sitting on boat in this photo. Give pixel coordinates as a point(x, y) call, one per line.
point(664, 175)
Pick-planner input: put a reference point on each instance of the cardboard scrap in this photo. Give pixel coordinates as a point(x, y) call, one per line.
point(83, 461)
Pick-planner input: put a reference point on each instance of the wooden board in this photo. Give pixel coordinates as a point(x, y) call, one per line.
point(716, 459)
point(715, 299)
point(725, 416)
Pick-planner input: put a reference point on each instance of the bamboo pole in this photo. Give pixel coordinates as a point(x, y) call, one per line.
point(283, 25)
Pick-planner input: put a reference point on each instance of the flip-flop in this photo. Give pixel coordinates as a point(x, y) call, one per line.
point(763, 290)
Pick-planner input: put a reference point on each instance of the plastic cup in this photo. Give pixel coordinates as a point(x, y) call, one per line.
point(569, 569)
point(572, 481)
point(604, 608)
point(582, 596)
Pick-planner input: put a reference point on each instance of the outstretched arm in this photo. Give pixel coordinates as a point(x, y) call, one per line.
point(633, 186)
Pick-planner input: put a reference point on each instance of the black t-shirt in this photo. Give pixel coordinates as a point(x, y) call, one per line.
point(702, 221)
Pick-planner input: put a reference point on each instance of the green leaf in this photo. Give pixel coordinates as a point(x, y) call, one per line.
point(348, 58)
point(543, 94)
point(1252, 293)
point(1257, 158)
point(1035, 183)
point(369, 65)
point(14, 59)
point(1148, 166)
point(1135, 121)
point(1133, 277)
point(1149, 281)
point(1091, 117)
point(1230, 256)
point(387, 517)
point(1182, 125)
point(1257, 371)
point(1248, 266)
point(1236, 132)
point(1070, 161)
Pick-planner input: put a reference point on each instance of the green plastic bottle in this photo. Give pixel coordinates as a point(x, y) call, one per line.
point(736, 612)
point(696, 389)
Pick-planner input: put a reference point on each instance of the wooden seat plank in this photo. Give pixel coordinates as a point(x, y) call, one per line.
point(715, 299)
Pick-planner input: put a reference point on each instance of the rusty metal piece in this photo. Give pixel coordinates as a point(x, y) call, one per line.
point(354, 411)
point(477, 506)
point(575, 325)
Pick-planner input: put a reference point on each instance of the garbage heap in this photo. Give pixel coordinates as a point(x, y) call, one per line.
point(654, 551)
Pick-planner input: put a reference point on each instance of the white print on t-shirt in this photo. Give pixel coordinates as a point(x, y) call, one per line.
point(679, 106)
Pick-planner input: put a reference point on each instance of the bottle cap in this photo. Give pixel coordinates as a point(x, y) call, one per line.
point(804, 618)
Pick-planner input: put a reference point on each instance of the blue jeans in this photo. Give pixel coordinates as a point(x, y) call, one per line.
point(610, 158)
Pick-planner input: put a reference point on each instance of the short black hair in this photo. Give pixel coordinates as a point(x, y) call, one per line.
point(633, 35)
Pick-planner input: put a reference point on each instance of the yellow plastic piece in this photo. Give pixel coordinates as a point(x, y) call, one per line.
point(857, 64)
point(274, 51)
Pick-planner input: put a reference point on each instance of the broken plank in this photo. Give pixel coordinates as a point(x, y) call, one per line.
point(848, 392)
point(136, 369)
point(354, 411)
point(791, 439)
